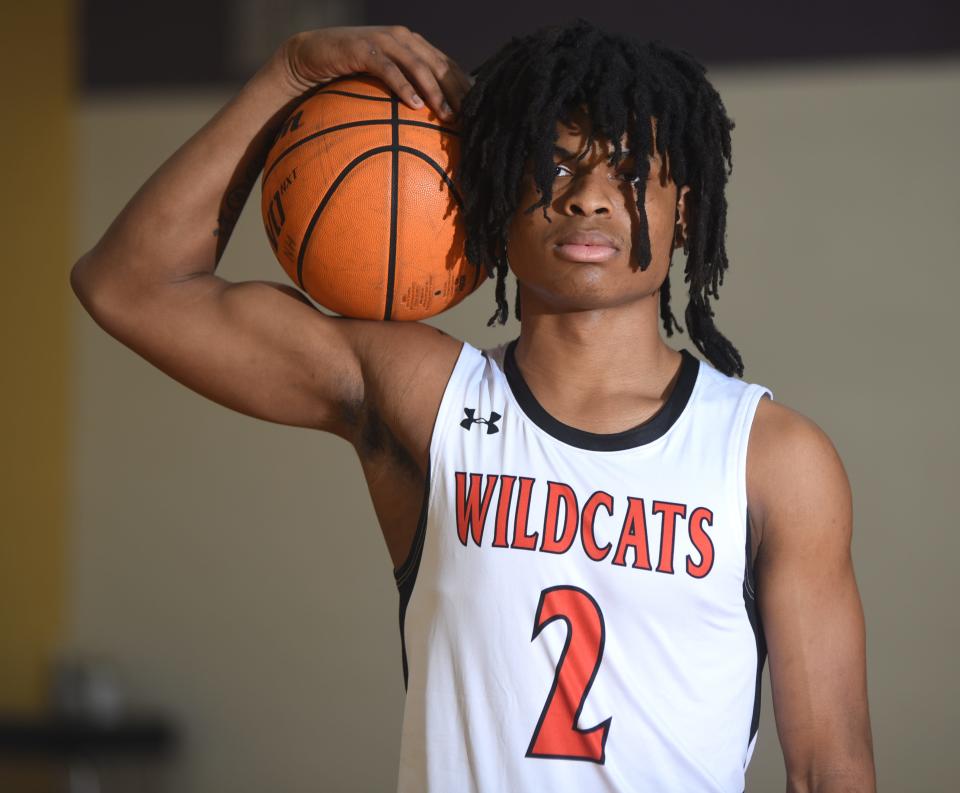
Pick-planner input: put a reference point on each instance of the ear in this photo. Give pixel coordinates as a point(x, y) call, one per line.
point(682, 205)
point(681, 235)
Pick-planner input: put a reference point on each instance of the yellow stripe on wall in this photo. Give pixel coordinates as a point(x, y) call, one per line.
point(36, 45)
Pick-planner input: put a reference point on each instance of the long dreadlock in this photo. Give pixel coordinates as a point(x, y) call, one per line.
point(508, 118)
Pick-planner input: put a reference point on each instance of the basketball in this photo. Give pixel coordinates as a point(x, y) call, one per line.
point(360, 206)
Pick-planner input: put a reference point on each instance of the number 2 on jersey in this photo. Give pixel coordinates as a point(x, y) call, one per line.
point(556, 734)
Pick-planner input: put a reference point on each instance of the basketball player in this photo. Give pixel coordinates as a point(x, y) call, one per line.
point(597, 539)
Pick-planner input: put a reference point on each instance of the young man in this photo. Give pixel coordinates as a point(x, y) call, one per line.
point(597, 539)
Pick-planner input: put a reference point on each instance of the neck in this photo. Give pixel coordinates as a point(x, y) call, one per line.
point(588, 355)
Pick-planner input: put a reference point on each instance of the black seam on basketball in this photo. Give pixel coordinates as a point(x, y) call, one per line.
point(338, 127)
point(323, 203)
point(394, 193)
point(319, 133)
point(429, 125)
point(342, 78)
point(357, 96)
point(437, 167)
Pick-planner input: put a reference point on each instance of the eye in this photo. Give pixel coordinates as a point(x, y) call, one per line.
point(625, 174)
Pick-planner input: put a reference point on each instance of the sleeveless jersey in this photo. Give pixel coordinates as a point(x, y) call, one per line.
point(577, 609)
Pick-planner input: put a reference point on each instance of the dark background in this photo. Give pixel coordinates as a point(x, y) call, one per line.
point(218, 43)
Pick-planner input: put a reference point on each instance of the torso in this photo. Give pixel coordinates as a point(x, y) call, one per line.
point(393, 448)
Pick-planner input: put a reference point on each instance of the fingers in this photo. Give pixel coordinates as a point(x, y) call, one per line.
point(453, 80)
point(382, 64)
point(414, 68)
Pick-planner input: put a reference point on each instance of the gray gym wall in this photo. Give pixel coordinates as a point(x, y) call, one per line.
point(233, 570)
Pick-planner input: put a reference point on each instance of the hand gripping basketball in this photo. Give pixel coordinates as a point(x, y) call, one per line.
point(400, 58)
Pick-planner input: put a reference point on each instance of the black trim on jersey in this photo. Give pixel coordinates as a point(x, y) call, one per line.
point(406, 574)
point(750, 603)
point(644, 433)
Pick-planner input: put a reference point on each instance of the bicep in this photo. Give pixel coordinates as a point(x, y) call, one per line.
point(256, 347)
point(810, 607)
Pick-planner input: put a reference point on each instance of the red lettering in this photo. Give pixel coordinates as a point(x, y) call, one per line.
point(522, 540)
point(470, 514)
point(701, 542)
point(670, 513)
point(557, 491)
point(634, 535)
point(503, 507)
point(587, 537)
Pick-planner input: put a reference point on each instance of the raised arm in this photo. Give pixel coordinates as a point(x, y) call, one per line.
point(258, 347)
point(809, 604)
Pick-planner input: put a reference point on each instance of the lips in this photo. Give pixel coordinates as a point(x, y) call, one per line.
point(587, 238)
point(586, 246)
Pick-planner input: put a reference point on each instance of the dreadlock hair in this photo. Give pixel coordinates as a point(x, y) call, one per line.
point(509, 117)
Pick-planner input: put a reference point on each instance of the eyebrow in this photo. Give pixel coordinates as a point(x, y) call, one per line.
point(569, 154)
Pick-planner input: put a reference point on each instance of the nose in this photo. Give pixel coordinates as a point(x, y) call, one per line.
point(588, 194)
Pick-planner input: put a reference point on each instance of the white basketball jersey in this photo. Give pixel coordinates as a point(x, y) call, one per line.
point(577, 609)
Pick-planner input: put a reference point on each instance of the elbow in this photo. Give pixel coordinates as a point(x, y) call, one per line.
point(93, 289)
point(80, 282)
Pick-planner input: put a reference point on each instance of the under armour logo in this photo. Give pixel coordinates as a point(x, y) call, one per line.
point(490, 422)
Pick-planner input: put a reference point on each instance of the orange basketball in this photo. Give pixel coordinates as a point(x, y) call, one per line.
point(360, 207)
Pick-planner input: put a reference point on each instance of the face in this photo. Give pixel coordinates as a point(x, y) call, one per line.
point(591, 196)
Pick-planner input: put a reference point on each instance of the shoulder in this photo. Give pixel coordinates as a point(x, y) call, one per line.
point(396, 353)
point(406, 366)
point(795, 476)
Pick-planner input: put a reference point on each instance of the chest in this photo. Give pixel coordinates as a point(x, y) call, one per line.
point(396, 481)
point(395, 462)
